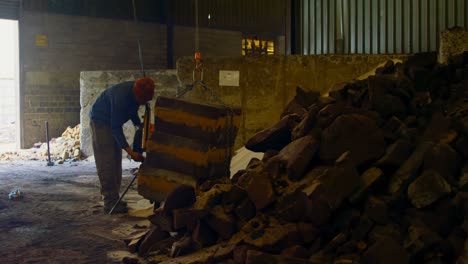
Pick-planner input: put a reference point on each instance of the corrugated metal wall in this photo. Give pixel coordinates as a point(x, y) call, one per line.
point(377, 26)
point(9, 9)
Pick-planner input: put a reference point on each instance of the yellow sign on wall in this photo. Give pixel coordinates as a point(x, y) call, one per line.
point(41, 40)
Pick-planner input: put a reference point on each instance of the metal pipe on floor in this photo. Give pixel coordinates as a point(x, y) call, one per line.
point(123, 194)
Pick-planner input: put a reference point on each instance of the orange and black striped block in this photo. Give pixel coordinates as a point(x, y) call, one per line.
point(191, 143)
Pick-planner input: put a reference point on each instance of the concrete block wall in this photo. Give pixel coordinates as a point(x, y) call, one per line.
point(93, 83)
point(267, 84)
point(452, 42)
point(50, 87)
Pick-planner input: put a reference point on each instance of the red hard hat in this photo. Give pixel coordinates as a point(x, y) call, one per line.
point(144, 88)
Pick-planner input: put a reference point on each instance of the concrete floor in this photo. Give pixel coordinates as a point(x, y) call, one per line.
point(60, 218)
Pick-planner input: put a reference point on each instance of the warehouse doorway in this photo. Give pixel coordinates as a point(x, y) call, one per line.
point(9, 86)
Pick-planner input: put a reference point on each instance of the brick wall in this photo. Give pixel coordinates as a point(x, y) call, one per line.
point(50, 87)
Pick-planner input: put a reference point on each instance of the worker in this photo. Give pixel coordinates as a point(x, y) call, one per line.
point(113, 108)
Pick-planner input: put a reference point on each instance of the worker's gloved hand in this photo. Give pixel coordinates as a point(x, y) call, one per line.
point(136, 156)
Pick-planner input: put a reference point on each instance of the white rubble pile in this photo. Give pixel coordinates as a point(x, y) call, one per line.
point(66, 147)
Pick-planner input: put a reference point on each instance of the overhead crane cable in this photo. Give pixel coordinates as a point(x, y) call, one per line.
point(198, 71)
point(197, 80)
point(197, 36)
point(140, 55)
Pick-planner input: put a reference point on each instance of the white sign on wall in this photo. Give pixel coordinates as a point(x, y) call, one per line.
point(229, 78)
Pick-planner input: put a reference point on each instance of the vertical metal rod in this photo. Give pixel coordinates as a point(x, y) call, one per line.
point(146, 123)
point(123, 194)
point(47, 139)
point(138, 40)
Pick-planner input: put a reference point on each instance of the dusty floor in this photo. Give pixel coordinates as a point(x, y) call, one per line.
point(60, 218)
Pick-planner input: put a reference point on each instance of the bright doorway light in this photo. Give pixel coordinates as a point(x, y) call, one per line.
point(9, 89)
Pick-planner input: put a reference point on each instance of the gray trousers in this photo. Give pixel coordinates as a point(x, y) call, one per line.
point(108, 158)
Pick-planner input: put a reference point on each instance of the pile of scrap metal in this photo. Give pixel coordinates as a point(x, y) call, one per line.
point(376, 172)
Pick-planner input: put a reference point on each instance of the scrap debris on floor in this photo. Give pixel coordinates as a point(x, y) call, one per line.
point(374, 173)
point(63, 148)
point(60, 218)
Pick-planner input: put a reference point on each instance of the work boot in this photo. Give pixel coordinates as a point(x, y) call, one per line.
point(103, 198)
point(121, 208)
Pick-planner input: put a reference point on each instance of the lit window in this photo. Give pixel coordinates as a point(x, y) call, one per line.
point(257, 47)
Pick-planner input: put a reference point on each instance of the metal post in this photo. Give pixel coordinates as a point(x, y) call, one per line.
point(49, 162)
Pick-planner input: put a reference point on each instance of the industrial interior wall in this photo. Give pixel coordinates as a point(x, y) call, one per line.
point(267, 84)
point(212, 42)
point(260, 17)
point(54, 49)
